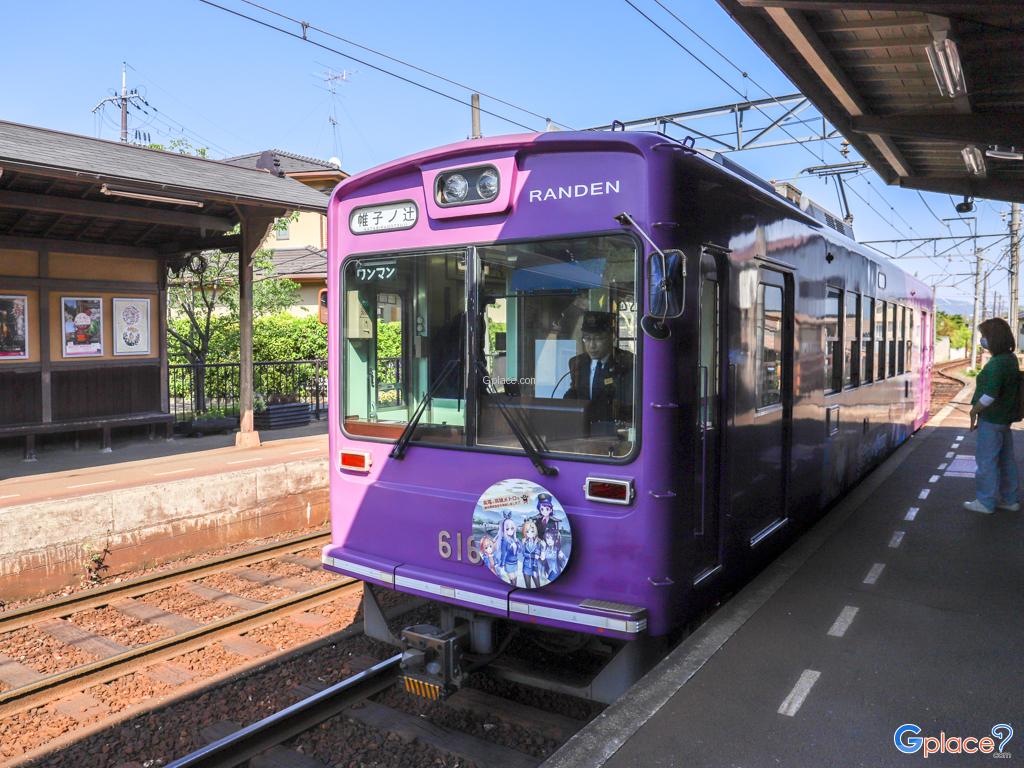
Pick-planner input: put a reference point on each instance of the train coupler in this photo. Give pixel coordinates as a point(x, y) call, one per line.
point(431, 661)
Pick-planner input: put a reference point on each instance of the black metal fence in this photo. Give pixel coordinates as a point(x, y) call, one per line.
point(212, 389)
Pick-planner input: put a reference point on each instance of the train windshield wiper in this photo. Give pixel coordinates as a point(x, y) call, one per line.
point(403, 440)
point(524, 432)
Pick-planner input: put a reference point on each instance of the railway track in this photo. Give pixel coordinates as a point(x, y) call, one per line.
point(372, 700)
point(944, 385)
point(106, 659)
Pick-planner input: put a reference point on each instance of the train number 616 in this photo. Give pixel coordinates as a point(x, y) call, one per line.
point(446, 550)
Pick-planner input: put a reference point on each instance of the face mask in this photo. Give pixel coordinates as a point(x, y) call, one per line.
point(984, 343)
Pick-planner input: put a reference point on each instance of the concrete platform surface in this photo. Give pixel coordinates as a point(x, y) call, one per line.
point(899, 608)
point(69, 483)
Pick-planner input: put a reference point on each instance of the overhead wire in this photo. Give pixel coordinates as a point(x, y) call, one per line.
point(395, 59)
point(305, 26)
point(746, 75)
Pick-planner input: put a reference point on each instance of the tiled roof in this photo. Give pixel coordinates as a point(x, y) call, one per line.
point(300, 262)
point(290, 162)
point(29, 147)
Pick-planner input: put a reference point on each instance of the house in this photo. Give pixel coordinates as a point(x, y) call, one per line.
point(300, 249)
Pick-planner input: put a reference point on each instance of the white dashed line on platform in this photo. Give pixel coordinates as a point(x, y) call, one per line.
point(942, 466)
point(241, 461)
point(874, 573)
point(924, 493)
point(912, 513)
point(86, 485)
point(933, 479)
point(173, 472)
point(959, 437)
point(307, 450)
point(897, 538)
point(842, 623)
point(950, 455)
point(791, 705)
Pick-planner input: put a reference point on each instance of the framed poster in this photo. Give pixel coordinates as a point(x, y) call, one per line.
point(13, 327)
point(83, 326)
point(131, 326)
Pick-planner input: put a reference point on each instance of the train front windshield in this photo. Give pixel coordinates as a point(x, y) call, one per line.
point(534, 339)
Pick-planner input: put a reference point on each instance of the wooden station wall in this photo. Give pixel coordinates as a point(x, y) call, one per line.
point(49, 387)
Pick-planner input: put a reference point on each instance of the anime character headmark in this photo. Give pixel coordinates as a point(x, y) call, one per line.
point(545, 518)
point(552, 557)
point(508, 548)
point(487, 554)
point(531, 555)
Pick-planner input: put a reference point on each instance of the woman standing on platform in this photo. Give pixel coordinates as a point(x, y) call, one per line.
point(993, 410)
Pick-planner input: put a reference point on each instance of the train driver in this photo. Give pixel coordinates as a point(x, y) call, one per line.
point(602, 374)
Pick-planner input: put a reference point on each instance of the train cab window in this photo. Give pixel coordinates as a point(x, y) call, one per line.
point(558, 337)
point(880, 340)
point(851, 346)
point(769, 345)
point(833, 341)
point(403, 337)
point(890, 336)
point(867, 346)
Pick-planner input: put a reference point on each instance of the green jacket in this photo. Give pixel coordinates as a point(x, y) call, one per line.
point(999, 379)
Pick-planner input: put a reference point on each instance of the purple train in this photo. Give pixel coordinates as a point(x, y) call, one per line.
point(583, 383)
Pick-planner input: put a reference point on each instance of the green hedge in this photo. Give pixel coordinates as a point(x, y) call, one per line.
point(275, 337)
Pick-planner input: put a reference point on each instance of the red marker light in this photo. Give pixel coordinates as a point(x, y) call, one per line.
point(357, 461)
point(609, 491)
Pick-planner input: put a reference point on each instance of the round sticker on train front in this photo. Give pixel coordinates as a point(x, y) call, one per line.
point(522, 533)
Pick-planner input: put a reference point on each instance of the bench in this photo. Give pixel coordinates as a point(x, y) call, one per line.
point(103, 423)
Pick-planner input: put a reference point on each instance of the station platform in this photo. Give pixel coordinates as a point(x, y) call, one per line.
point(898, 607)
point(60, 527)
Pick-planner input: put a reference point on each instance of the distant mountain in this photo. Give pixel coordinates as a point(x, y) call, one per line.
point(954, 307)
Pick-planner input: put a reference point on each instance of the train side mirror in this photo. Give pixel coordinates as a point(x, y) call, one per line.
point(321, 301)
point(666, 291)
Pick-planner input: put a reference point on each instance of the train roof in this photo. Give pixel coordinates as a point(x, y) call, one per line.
point(806, 210)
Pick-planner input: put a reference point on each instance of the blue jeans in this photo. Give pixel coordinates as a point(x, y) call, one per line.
point(996, 477)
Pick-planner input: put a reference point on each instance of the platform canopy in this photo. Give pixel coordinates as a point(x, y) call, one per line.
point(910, 102)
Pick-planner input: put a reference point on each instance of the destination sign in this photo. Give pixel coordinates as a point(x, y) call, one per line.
point(386, 217)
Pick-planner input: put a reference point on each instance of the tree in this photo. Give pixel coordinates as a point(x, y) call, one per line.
point(208, 297)
point(953, 326)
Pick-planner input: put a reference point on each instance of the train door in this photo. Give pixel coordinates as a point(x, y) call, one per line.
point(709, 434)
point(768, 448)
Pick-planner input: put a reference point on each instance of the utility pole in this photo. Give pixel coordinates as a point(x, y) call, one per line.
point(1015, 270)
point(122, 101)
point(977, 301)
point(984, 298)
point(474, 101)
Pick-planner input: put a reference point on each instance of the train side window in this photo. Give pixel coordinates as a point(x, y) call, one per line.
point(867, 350)
point(880, 339)
point(769, 345)
point(909, 344)
point(901, 335)
point(833, 341)
point(890, 336)
point(851, 345)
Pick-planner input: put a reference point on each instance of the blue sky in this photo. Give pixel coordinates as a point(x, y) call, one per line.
point(235, 87)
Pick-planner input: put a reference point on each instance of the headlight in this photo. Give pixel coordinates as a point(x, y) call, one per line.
point(487, 184)
point(467, 186)
point(455, 188)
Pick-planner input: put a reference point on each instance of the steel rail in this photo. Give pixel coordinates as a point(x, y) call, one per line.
point(100, 596)
point(242, 745)
point(169, 646)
